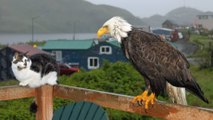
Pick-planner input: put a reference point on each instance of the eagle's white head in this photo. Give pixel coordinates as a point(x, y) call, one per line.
point(117, 27)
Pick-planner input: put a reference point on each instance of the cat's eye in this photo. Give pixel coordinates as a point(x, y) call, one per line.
point(15, 61)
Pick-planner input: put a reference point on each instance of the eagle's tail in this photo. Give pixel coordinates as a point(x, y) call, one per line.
point(195, 89)
point(176, 94)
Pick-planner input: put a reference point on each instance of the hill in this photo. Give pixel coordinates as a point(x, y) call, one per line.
point(182, 16)
point(57, 16)
point(155, 20)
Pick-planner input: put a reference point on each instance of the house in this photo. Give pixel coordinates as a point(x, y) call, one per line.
point(87, 54)
point(205, 20)
point(169, 24)
point(167, 34)
point(6, 55)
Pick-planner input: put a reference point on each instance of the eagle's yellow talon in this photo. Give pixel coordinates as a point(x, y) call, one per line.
point(145, 99)
point(152, 98)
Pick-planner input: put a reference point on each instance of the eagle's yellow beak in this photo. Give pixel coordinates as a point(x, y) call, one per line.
point(102, 31)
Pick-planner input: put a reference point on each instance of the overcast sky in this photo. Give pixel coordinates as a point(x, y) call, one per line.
point(147, 8)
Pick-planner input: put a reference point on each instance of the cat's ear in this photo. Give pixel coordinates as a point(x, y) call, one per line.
point(16, 55)
point(25, 54)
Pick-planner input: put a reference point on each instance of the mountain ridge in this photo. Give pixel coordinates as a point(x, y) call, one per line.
point(75, 16)
point(55, 16)
point(181, 15)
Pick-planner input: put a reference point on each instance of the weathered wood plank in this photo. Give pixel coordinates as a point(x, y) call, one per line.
point(15, 92)
point(123, 103)
point(44, 101)
point(44, 97)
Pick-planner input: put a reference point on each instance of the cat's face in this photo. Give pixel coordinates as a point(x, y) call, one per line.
point(21, 61)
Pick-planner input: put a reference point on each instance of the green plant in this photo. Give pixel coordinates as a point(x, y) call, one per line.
point(203, 55)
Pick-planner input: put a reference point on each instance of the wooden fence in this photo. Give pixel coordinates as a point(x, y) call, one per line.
point(44, 97)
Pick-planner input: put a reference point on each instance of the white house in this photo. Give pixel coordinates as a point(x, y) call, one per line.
point(205, 20)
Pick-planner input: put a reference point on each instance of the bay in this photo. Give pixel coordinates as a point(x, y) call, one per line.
point(8, 39)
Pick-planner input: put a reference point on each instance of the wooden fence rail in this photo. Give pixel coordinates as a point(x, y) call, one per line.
point(44, 97)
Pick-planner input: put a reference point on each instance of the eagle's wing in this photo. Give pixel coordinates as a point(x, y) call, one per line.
point(159, 62)
point(125, 52)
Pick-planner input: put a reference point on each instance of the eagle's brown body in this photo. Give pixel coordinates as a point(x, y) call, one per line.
point(159, 62)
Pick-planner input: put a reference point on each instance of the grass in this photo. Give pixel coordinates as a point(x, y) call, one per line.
point(204, 78)
point(16, 109)
point(201, 40)
point(9, 82)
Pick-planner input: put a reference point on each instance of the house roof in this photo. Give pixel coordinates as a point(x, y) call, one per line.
point(68, 44)
point(206, 13)
point(114, 42)
point(164, 31)
point(23, 48)
point(170, 21)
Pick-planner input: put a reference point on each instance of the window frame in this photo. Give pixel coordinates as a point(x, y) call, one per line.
point(89, 66)
point(58, 55)
point(103, 50)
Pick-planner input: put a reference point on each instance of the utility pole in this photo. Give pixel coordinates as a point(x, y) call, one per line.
point(73, 37)
point(33, 18)
point(184, 3)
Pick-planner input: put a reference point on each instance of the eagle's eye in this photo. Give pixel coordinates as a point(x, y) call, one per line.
point(105, 27)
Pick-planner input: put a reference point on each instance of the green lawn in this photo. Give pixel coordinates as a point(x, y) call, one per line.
point(205, 80)
point(201, 40)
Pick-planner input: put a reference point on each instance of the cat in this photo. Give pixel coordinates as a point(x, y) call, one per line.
point(36, 70)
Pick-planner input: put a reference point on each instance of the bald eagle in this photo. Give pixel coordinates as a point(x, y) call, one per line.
point(157, 61)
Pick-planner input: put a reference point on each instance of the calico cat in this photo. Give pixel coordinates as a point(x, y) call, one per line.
point(36, 70)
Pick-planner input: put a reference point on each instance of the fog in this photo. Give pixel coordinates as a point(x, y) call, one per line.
point(147, 8)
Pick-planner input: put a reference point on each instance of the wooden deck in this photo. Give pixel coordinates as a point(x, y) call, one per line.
point(45, 95)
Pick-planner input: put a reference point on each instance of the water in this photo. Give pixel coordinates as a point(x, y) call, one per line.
point(8, 39)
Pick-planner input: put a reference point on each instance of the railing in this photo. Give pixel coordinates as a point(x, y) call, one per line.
point(44, 98)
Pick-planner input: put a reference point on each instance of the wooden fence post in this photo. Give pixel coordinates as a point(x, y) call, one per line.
point(44, 101)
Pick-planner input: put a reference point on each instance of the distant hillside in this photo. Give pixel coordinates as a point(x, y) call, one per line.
point(154, 20)
point(57, 16)
point(182, 16)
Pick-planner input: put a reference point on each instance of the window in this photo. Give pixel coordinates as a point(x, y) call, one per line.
point(93, 62)
point(105, 50)
point(57, 55)
point(202, 17)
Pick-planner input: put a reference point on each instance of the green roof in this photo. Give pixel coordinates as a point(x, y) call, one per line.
point(68, 44)
point(114, 42)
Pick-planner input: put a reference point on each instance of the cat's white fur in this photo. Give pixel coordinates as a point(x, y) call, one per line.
point(26, 76)
point(118, 27)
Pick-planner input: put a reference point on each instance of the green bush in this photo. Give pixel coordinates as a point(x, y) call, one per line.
point(203, 55)
point(16, 110)
point(119, 77)
point(203, 58)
